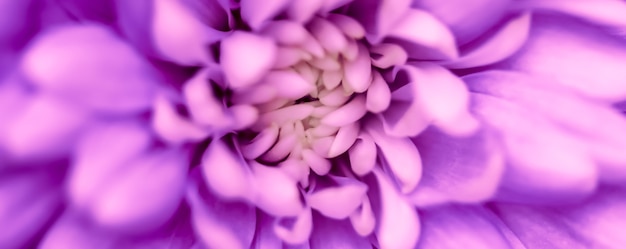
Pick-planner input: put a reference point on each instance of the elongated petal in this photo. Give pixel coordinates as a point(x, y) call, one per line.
point(300, 230)
point(203, 104)
point(379, 17)
point(89, 65)
point(72, 232)
point(338, 202)
point(596, 125)
point(225, 171)
point(179, 35)
point(265, 238)
point(456, 227)
point(101, 152)
point(433, 42)
point(219, 223)
point(329, 233)
point(256, 13)
point(457, 169)
point(173, 128)
point(559, 170)
point(117, 206)
point(236, 51)
point(607, 13)
point(400, 154)
point(594, 70)
point(45, 127)
point(275, 192)
point(464, 22)
point(399, 224)
point(504, 43)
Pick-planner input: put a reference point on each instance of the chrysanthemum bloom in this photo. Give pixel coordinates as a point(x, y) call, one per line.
point(313, 124)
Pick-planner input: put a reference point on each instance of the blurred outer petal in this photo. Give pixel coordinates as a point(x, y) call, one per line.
point(330, 233)
point(46, 127)
point(469, 21)
point(212, 12)
point(400, 154)
point(559, 168)
point(458, 227)
point(225, 171)
point(221, 224)
point(398, 223)
point(423, 36)
point(499, 46)
point(275, 192)
point(179, 35)
point(609, 13)
point(265, 238)
point(300, 230)
point(406, 115)
point(444, 97)
point(600, 127)
point(117, 206)
point(464, 170)
point(29, 201)
point(16, 22)
point(338, 202)
point(82, 10)
point(378, 17)
point(203, 104)
point(256, 13)
point(88, 64)
point(134, 19)
point(100, 153)
point(69, 232)
point(595, 69)
point(596, 223)
point(236, 50)
point(173, 128)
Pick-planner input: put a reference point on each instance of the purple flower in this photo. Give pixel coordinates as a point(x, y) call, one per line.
point(312, 124)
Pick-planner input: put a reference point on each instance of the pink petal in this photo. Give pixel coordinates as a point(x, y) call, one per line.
point(171, 127)
point(275, 192)
point(607, 13)
point(261, 143)
point(345, 138)
point(256, 13)
point(101, 153)
point(288, 84)
point(464, 22)
point(303, 10)
point(204, 107)
point(338, 202)
point(388, 55)
point(45, 127)
point(90, 65)
point(363, 220)
point(179, 35)
point(400, 154)
point(363, 155)
point(328, 35)
point(317, 163)
point(347, 114)
point(451, 227)
point(219, 223)
point(378, 95)
point(225, 171)
point(117, 206)
point(236, 51)
point(329, 233)
point(597, 126)
point(357, 73)
point(559, 170)
point(433, 42)
point(71, 232)
point(348, 26)
point(457, 169)
point(379, 17)
point(599, 58)
point(300, 231)
point(504, 43)
point(399, 225)
point(265, 238)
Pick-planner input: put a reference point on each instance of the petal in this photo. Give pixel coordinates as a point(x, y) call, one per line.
point(300, 231)
point(29, 202)
point(288, 84)
point(117, 207)
point(399, 224)
point(303, 10)
point(179, 36)
point(595, 223)
point(386, 55)
point(607, 13)
point(357, 73)
point(203, 104)
point(457, 169)
point(329, 233)
point(265, 238)
point(219, 223)
point(469, 22)
point(25, 137)
point(173, 128)
point(344, 139)
point(504, 43)
point(70, 232)
point(363, 155)
point(378, 95)
point(89, 65)
point(328, 35)
point(598, 58)
point(256, 13)
point(275, 192)
point(456, 227)
point(100, 154)
point(559, 170)
point(433, 42)
point(379, 17)
point(338, 202)
point(400, 154)
point(597, 126)
point(363, 220)
point(347, 114)
point(236, 51)
point(225, 171)
point(134, 21)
